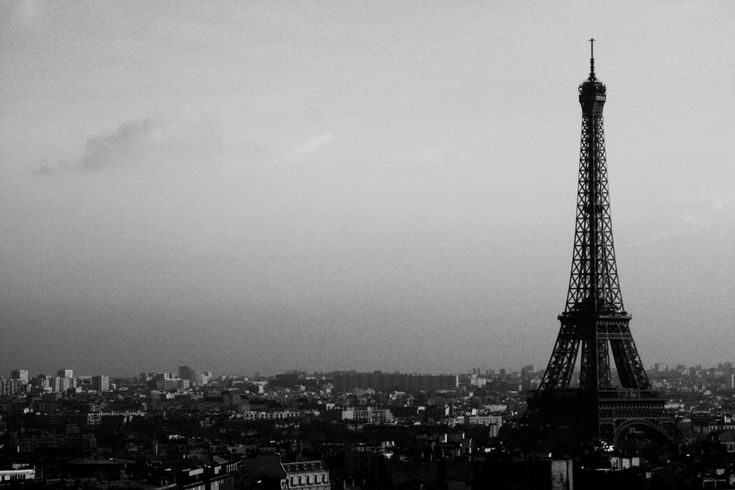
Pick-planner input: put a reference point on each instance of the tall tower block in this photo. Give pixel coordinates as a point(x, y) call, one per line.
point(594, 324)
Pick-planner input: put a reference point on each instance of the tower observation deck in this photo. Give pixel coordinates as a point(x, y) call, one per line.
point(594, 324)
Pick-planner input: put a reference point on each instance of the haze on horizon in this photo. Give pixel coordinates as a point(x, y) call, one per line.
point(263, 186)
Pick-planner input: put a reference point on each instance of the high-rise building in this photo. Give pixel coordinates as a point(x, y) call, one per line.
point(594, 321)
point(204, 378)
point(10, 387)
point(40, 381)
point(60, 384)
point(187, 373)
point(21, 374)
point(65, 373)
point(55, 384)
point(101, 383)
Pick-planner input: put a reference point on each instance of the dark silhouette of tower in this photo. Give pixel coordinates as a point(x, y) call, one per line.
point(594, 321)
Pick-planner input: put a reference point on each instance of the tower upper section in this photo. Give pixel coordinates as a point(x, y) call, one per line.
point(592, 91)
point(594, 287)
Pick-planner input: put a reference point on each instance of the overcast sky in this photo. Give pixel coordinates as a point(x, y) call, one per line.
point(262, 186)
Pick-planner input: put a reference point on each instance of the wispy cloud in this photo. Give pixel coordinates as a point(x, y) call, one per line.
point(311, 146)
point(690, 212)
point(116, 148)
point(712, 199)
point(146, 140)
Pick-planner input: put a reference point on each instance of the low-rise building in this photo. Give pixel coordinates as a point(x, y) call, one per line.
point(370, 415)
point(306, 475)
point(17, 473)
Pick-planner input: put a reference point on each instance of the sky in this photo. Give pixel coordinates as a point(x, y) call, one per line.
point(261, 186)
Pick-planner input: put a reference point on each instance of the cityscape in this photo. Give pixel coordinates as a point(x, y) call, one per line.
point(322, 246)
point(340, 429)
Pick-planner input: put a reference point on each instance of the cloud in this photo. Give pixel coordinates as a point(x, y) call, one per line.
point(149, 140)
point(130, 141)
point(311, 146)
point(713, 200)
point(691, 212)
point(116, 148)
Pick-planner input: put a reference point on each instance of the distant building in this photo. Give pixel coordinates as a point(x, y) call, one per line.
point(221, 475)
point(307, 475)
point(380, 381)
point(187, 373)
point(727, 440)
point(370, 415)
point(21, 374)
point(10, 387)
point(171, 381)
point(54, 384)
point(63, 381)
point(101, 383)
point(58, 384)
point(41, 382)
point(493, 422)
point(277, 475)
point(203, 378)
point(17, 473)
point(528, 372)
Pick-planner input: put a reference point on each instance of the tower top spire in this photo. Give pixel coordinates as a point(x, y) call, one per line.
point(592, 58)
point(592, 88)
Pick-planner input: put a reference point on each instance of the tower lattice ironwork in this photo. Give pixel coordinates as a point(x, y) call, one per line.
point(594, 322)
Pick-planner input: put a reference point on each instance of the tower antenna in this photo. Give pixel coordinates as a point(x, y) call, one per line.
point(592, 58)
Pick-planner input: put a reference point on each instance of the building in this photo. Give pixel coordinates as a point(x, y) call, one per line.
point(307, 475)
point(187, 373)
point(203, 378)
point(368, 464)
point(492, 422)
point(370, 415)
point(10, 387)
point(380, 381)
point(171, 381)
point(58, 384)
point(41, 381)
point(17, 473)
point(63, 381)
point(726, 439)
point(21, 374)
point(101, 383)
point(275, 474)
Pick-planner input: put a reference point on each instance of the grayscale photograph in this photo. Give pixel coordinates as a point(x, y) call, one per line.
point(367, 245)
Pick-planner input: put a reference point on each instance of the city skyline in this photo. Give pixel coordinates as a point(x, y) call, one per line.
point(266, 186)
point(480, 370)
point(27, 373)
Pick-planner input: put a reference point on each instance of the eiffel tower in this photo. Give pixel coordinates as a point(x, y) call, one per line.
point(594, 321)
